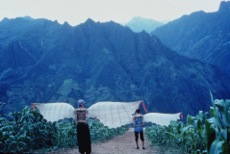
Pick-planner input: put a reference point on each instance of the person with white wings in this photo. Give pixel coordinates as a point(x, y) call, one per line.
point(83, 133)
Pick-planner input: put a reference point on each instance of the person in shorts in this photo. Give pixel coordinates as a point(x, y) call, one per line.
point(138, 121)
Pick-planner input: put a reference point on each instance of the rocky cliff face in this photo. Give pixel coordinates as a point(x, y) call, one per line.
point(43, 61)
point(203, 36)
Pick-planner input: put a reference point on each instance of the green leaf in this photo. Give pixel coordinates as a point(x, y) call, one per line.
point(216, 147)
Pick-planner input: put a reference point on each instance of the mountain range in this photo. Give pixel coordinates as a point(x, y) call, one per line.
point(44, 61)
point(200, 35)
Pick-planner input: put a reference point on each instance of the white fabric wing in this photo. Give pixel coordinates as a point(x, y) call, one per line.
point(114, 114)
point(111, 114)
point(55, 111)
point(161, 118)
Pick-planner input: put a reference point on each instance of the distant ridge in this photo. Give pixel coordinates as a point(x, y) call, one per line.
point(138, 24)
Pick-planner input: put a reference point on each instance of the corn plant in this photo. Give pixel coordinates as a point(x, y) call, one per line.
point(189, 138)
point(165, 135)
point(26, 131)
point(193, 134)
point(65, 133)
point(217, 127)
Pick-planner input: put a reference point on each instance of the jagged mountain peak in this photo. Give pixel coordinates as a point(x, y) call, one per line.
point(25, 21)
point(89, 21)
point(224, 7)
point(64, 24)
point(108, 29)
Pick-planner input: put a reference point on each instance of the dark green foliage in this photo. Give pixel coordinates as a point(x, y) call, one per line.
point(190, 137)
point(218, 127)
point(199, 135)
point(25, 131)
point(28, 131)
point(65, 133)
point(99, 132)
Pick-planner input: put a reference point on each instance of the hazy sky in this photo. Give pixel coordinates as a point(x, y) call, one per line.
point(77, 11)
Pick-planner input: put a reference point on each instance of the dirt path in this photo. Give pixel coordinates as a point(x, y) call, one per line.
point(123, 144)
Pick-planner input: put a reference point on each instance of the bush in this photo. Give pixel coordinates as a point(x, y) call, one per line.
point(99, 132)
point(25, 131)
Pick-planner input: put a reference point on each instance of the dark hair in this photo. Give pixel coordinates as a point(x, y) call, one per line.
point(81, 103)
point(138, 111)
